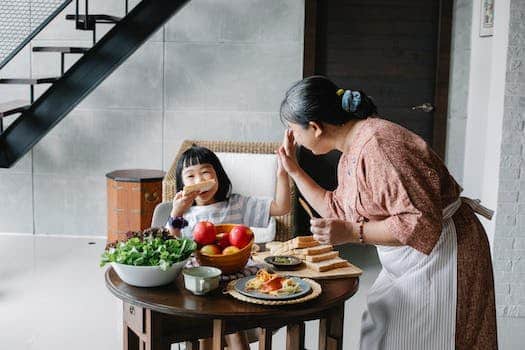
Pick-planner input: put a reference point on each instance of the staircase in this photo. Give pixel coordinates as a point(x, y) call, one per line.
point(35, 118)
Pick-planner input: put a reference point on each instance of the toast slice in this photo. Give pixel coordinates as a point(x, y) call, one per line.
point(327, 265)
point(304, 242)
point(322, 257)
point(202, 186)
point(321, 249)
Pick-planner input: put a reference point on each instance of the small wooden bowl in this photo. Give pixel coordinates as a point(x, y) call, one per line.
point(227, 263)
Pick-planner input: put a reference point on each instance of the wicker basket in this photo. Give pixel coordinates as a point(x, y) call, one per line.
point(227, 263)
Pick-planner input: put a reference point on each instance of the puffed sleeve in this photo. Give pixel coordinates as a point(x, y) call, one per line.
point(399, 182)
point(333, 201)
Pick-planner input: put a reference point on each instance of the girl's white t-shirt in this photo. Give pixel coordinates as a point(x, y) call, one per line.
point(238, 209)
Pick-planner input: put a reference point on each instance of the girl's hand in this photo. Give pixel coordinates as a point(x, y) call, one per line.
point(332, 231)
point(181, 203)
point(287, 153)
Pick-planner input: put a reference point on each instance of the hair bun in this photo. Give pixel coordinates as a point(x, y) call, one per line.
point(351, 100)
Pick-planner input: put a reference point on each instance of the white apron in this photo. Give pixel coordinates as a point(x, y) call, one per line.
point(412, 303)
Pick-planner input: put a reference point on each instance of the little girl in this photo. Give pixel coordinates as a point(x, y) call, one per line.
point(219, 205)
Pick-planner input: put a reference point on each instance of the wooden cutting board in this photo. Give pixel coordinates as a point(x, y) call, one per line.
point(343, 272)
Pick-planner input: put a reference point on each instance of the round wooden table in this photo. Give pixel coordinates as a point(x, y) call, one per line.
point(154, 318)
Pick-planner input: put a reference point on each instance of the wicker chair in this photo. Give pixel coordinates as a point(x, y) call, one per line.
point(285, 223)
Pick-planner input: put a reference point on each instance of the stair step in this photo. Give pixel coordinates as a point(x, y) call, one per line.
point(28, 81)
point(92, 20)
point(13, 107)
point(61, 49)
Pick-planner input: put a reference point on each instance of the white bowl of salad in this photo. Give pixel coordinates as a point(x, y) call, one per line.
point(149, 259)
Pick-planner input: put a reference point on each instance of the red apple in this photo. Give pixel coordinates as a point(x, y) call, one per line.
point(204, 233)
point(240, 236)
point(223, 239)
point(210, 249)
point(230, 250)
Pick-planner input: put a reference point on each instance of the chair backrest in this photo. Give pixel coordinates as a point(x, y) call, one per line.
point(251, 167)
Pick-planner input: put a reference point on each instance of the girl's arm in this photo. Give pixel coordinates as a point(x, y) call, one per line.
point(281, 204)
point(181, 204)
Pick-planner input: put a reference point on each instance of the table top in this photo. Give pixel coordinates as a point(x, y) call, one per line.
point(136, 175)
point(174, 299)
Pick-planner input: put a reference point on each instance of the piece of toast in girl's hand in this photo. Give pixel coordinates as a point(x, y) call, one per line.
point(202, 186)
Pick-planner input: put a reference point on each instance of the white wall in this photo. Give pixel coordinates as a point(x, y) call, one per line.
point(485, 108)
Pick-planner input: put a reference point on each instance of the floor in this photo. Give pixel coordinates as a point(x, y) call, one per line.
point(52, 296)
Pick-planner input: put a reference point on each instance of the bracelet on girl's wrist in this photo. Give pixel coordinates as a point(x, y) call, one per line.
point(177, 222)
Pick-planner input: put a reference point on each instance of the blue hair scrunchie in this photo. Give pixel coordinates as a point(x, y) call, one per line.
point(351, 100)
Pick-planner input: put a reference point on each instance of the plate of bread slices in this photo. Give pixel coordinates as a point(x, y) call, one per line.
point(317, 260)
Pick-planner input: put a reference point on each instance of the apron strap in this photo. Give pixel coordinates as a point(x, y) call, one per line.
point(475, 204)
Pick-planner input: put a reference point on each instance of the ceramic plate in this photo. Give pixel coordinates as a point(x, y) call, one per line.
point(240, 286)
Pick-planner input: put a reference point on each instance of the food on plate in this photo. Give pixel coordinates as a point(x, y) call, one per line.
point(327, 265)
point(202, 186)
point(322, 257)
point(204, 233)
point(152, 247)
point(318, 257)
point(316, 250)
point(272, 283)
point(304, 242)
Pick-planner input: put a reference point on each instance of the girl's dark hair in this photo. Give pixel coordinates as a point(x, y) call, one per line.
point(315, 99)
point(202, 155)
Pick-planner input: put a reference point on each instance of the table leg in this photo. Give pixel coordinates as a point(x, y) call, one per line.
point(331, 329)
point(295, 336)
point(153, 333)
point(265, 339)
point(130, 340)
point(192, 345)
point(218, 334)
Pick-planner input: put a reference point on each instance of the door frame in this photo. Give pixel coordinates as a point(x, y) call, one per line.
point(442, 64)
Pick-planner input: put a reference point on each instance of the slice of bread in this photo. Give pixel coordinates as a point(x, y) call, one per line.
point(202, 186)
point(327, 265)
point(322, 257)
point(304, 242)
point(321, 249)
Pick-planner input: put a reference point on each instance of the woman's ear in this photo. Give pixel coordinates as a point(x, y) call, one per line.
point(318, 129)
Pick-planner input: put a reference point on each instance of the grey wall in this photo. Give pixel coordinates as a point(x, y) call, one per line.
point(217, 70)
point(509, 241)
point(458, 88)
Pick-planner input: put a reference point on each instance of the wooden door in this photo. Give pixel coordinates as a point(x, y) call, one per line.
point(397, 51)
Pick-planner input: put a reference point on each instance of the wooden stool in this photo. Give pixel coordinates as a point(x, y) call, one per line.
point(132, 197)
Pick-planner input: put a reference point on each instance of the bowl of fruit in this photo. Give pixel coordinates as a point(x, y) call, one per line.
point(224, 246)
point(148, 258)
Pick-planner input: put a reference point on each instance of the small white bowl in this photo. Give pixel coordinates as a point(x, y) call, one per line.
point(148, 276)
point(201, 279)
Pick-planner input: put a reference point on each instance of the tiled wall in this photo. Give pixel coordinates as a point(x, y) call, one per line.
point(217, 70)
point(509, 242)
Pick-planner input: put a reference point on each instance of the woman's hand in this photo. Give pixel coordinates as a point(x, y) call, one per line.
point(333, 231)
point(287, 153)
point(182, 202)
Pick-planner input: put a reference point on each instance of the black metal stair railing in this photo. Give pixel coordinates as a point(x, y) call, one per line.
point(21, 21)
point(67, 91)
